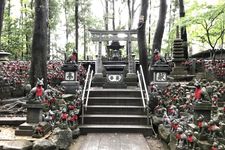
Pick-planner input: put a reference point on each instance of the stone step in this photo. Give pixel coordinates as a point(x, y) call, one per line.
point(109, 128)
point(115, 119)
point(131, 101)
point(20, 132)
point(14, 121)
point(115, 109)
point(109, 92)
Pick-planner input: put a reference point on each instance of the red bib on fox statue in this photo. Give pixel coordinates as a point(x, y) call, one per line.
point(198, 91)
point(37, 93)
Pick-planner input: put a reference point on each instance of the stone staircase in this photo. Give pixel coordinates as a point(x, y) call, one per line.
point(115, 111)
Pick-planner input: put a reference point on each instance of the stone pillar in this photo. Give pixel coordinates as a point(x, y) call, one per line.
point(131, 76)
point(70, 82)
point(98, 65)
point(130, 61)
point(98, 79)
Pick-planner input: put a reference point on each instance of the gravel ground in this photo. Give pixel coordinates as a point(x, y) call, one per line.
point(156, 144)
point(7, 133)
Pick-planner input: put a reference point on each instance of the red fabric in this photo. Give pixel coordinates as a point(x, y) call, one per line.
point(178, 136)
point(74, 118)
point(156, 57)
point(200, 124)
point(39, 129)
point(64, 116)
point(190, 139)
point(39, 91)
point(224, 109)
point(198, 92)
point(171, 110)
point(73, 57)
point(175, 126)
point(214, 148)
point(71, 107)
point(209, 128)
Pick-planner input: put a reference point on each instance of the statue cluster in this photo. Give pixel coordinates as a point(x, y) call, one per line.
point(58, 112)
point(176, 105)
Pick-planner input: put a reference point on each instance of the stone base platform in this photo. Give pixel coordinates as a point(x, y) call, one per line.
point(27, 129)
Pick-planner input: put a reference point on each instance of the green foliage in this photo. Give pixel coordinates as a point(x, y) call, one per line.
point(205, 23)
point(17, 31)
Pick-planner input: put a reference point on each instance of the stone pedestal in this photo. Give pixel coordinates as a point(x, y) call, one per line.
point(160, 72)
point(204, 109)
point(70, 83)
point(98, 80)
point(34, 112)
point(131, 79)
point(34, 117)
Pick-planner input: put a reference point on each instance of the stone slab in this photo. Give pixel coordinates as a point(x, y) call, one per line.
point(16, 145)
point(15, 121)
point(114, 141)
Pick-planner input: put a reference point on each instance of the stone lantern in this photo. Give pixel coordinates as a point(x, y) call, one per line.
point(160, 72)
point(70, 83)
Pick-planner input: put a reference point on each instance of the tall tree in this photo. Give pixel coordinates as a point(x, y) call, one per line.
point(106, 15)
point(48, 29)
point(143, 53)
point(2, 7)
point(10, 23)
point(66, 12)
point(157, 41)
point(113, 15)
point(183, 29)
point(39, 44)
point(77, 25)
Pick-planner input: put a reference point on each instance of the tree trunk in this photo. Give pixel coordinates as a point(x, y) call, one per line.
point(143, 55)
point(107, 21)
point(39, 44)
point(157, 41)
point(129, 12)
point(149, 28)
point(113, 15)
point(77, 26)
point(183, 29)
point(2, 7)
point(106, 15)
point(9, 25)
point(48, 30)
point(66, 19)
point(85, 41)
